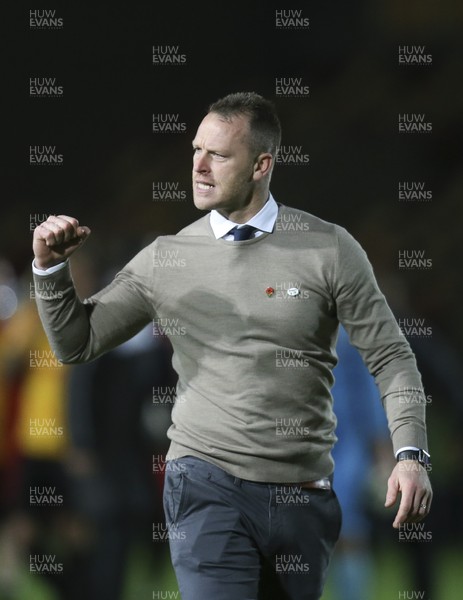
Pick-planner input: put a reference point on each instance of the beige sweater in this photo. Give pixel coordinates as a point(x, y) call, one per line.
point(253, 325)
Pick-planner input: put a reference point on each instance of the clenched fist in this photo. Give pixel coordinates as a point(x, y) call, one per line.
point(56, 239)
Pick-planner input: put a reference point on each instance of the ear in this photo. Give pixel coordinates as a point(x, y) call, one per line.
point(262, 166)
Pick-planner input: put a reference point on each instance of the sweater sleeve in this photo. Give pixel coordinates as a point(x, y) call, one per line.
point(81, 331)
point(373, 329)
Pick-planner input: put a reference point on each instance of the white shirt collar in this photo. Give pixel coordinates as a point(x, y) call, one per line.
point(263, 220)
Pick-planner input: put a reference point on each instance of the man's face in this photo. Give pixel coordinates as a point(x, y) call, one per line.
point(223, 164)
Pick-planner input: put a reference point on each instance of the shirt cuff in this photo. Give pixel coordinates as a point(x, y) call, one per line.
point(405, 448)
point(49, 271)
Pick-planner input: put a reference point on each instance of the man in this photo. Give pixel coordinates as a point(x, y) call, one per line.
point(251, 296)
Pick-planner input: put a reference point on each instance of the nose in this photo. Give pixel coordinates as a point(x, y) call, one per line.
point(201, 162)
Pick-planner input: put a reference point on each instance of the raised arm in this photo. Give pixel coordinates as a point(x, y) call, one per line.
point(81, 331)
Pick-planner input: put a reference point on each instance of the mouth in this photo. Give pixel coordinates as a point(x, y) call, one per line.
point(204, 186)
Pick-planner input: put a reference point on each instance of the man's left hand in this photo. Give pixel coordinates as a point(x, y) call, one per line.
point(411, 479)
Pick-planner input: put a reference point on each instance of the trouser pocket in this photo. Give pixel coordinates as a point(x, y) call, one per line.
point(175, 485)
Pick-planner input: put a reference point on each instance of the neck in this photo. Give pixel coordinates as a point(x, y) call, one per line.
point(244, 213)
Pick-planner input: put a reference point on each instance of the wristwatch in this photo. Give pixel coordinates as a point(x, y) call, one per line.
point(423, 457)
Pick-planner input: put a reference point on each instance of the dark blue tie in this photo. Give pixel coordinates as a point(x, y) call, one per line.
point(242, 233)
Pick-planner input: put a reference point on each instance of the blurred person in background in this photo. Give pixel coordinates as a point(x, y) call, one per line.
point(116, 429)
point(37, 522)
point(10, 381)
point(363, 447)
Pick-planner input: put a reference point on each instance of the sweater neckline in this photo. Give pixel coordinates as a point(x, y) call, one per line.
point(238, 244)
point(254, 240)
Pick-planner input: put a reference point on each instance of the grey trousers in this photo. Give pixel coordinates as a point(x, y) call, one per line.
point(233, 539)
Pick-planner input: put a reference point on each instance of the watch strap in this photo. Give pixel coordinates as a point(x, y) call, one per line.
point(421, 456)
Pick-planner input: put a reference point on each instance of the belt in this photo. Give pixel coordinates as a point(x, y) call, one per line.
point(318, 484)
